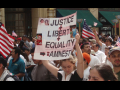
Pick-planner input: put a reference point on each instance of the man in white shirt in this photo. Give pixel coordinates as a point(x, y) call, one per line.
point(85, 47)
point(108, 42)
point(98, 53)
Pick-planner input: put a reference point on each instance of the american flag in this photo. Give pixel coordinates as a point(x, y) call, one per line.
point(87, 32)
point(6, 41)
point(14, 34)
point(118, 42)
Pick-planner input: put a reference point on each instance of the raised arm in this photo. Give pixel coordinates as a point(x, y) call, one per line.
point(97, 39)
point(80, 67)
point(50, 67)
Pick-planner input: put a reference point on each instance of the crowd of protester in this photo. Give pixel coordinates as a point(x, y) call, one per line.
point(90, 60)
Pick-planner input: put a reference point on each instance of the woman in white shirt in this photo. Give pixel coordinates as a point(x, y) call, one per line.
point(69, 72)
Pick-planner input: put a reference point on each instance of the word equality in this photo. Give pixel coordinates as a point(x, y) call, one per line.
point(59, 44)
point(57, 33)
point(62, 21)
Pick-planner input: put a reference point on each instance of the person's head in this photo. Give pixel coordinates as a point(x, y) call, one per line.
point(114, 56)
point(85, 47)
point(24, 37)
point(108, 41)
point(34, 60)
point(68, 65)
point(86, 58)
point(92, 41)
point(27, 51)
point(18, 40)
point(102, 72)
point(29, 38)
point(39, 37)
point(95, 47)
point(46, 22)
point(85, 40)
point(107, 49)
point(16, 52)
point(41, 21)
point(3, 63)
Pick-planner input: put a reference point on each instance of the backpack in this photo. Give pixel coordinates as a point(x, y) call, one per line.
point(13, 76)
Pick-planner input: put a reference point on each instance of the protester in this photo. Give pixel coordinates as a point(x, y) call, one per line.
point(26, 43)
point(107, 49)
point(40, 72)
point(114, 57)
point(101, 55)
point(86, 48)
point(108, 41)
point(102, 72)
point(3, 71)
point(17, 65)
point(30, 42)
point(87, 60)
point(69, 73)
point(29, 64)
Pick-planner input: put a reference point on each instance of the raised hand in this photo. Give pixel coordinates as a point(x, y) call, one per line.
point(77, 37)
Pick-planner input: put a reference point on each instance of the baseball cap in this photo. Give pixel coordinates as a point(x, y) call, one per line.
point(86, 56)
point(19, 39)
point(24, 35)
point(114, 49)
point(92, 52)
point(92, 40)
point(3, 61)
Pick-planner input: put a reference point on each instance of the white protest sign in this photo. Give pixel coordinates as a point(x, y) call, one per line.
point(53, 38)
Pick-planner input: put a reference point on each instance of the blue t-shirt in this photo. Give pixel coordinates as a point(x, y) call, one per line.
point(17, 67)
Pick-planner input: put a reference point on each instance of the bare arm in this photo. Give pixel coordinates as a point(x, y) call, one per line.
point(80, 65)
point(50, 67)
point(97, 39)
point(20, 75)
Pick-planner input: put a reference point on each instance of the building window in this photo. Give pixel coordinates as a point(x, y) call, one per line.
point(18, 19)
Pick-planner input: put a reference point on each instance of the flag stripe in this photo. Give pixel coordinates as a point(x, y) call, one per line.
point(6, 42)
point(87, 33)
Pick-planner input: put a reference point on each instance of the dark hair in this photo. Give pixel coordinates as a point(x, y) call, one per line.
point(25, 56)
point(17, 50)
point(82, 46)
point(105, 72)
point(32, 50)
point(85, 40)
point(109, 40)
point(85, 60)
point(3, 61)
point(97, 45)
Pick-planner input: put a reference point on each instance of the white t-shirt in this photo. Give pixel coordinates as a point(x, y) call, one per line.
point(108, 63)
point(20, 56)
point(86, 73)
point(30, 60)
point(103, 47)
point(31, 43)
point(94, 60)
point(101, 56)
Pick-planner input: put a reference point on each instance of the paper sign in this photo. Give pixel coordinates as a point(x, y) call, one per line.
point(53, 38)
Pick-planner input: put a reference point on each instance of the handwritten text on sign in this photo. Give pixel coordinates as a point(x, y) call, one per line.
point(55, 39)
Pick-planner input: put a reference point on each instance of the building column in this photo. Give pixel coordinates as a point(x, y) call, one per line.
point(36, 14)
point(94, 12)
point(2, 15)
